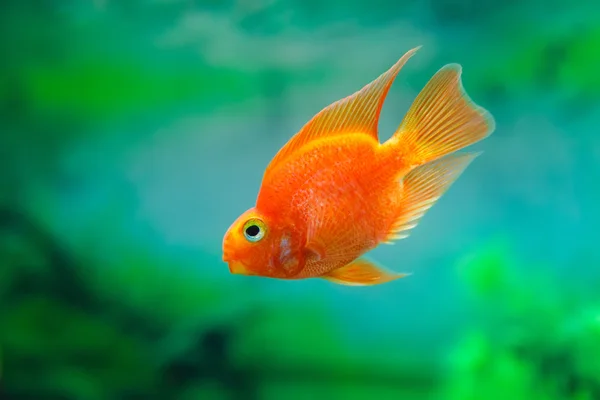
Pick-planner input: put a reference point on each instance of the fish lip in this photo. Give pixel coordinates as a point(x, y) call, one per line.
point(237, 267)
point(228, 254)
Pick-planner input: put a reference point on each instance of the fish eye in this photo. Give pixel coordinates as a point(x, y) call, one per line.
point(254, 230)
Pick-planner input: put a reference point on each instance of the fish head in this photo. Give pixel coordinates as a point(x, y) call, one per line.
point(253, 245)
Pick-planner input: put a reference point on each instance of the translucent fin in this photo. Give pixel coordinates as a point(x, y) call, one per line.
point(362, 272)
point(358, 113)
point(442, 119)
point(422, 187)
point(316, 249)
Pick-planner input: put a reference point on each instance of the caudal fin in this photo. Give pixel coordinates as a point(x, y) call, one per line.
point(442, 120)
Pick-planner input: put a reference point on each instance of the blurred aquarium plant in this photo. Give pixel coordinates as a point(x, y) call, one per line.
point(140, 331)
point(535, 337)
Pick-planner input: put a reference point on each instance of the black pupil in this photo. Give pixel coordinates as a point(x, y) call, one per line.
point(252, 230)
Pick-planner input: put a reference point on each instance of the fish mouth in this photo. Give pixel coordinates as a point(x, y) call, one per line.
point(235, 265)
point(238, 268)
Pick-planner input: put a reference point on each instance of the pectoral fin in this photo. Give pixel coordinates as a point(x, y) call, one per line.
point(362, 272)
point(315, 249)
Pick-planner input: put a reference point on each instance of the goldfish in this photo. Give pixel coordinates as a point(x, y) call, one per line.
point(334, 192)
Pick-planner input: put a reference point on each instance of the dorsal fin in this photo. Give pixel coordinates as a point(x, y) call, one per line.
point(358, 112)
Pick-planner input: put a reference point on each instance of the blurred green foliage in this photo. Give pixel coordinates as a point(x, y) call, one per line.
point(540, 339)
point(144, 330)
point(126, 332)
point(551, 61)
point(80, 87)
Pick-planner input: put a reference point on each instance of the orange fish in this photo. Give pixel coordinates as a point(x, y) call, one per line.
point(334, 192)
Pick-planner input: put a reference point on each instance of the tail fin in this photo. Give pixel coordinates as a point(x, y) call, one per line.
point(422, 187)
point(442, 120)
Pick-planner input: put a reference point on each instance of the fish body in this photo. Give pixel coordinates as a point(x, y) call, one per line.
point(355, 195)
point(334, 192)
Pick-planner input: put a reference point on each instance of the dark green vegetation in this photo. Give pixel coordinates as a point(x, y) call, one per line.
point(540, 341)
point(155, 335)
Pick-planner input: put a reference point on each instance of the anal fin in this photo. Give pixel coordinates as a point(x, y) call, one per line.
point(362, 272)
point(422, 187)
